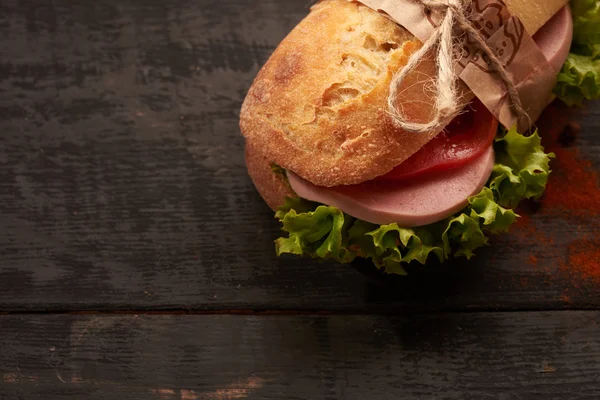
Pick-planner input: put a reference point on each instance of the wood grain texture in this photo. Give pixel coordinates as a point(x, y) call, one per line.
point(122, 180)
point(508, 356)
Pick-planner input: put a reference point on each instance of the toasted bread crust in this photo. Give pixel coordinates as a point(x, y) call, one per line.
point(318, 107)
point(271, 186)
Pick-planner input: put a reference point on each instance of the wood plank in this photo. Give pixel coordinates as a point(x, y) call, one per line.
point(122, 179)
point(512, 356)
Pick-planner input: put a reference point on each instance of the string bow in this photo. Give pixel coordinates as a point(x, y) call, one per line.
point(455, 24)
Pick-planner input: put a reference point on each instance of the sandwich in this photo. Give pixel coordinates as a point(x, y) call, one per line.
point(346, 181)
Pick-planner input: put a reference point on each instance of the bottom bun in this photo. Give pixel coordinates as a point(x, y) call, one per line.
point(271, 186)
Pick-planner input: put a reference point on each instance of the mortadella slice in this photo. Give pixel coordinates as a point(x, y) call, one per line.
point(554, 38)
point(416, 202)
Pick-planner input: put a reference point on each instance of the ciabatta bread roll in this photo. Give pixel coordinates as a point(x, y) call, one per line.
point(318, 106)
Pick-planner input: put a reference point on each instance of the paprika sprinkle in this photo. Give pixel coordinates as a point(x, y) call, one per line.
point(584, 260)
point(573, 194)
point(574, 186)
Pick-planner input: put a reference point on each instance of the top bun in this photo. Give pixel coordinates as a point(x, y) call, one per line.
point(319, 105)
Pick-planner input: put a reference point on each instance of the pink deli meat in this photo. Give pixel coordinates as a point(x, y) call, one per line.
point(554, 38)
point(415, 202)
point(430, 198)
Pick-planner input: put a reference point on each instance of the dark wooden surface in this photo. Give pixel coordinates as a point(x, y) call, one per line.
point(123, 189)
point(507, 356)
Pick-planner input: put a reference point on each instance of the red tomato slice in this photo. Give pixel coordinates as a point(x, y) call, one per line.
point(463, 140)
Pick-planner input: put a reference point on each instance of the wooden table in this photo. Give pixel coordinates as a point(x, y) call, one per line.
point(136, 258)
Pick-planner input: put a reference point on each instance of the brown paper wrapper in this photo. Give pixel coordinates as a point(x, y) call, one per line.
point(505, 34)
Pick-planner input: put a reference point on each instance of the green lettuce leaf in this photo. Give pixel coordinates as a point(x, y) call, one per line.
point(580, 76)
point(578, 80)
point(325, 232)
point(586, 26)
point(321, 233)
point(521, 170)
point(278, 170)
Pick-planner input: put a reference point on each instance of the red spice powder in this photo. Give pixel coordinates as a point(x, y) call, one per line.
point(533, 260)
point(574, 186)
point(525, 229)
point(584, 260)
point(573, 193)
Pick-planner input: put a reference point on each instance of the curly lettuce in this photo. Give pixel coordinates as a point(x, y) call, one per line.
point(586, 26)
point(323, 232)
point(580, 76)
point(521, 169)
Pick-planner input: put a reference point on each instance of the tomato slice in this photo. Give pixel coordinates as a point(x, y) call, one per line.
point(464, 139)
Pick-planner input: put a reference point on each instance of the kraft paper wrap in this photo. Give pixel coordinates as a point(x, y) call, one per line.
point(505, 34)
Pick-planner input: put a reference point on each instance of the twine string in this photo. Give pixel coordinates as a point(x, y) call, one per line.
point(445, 84)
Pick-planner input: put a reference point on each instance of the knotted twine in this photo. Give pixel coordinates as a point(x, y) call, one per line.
point(455, 24)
